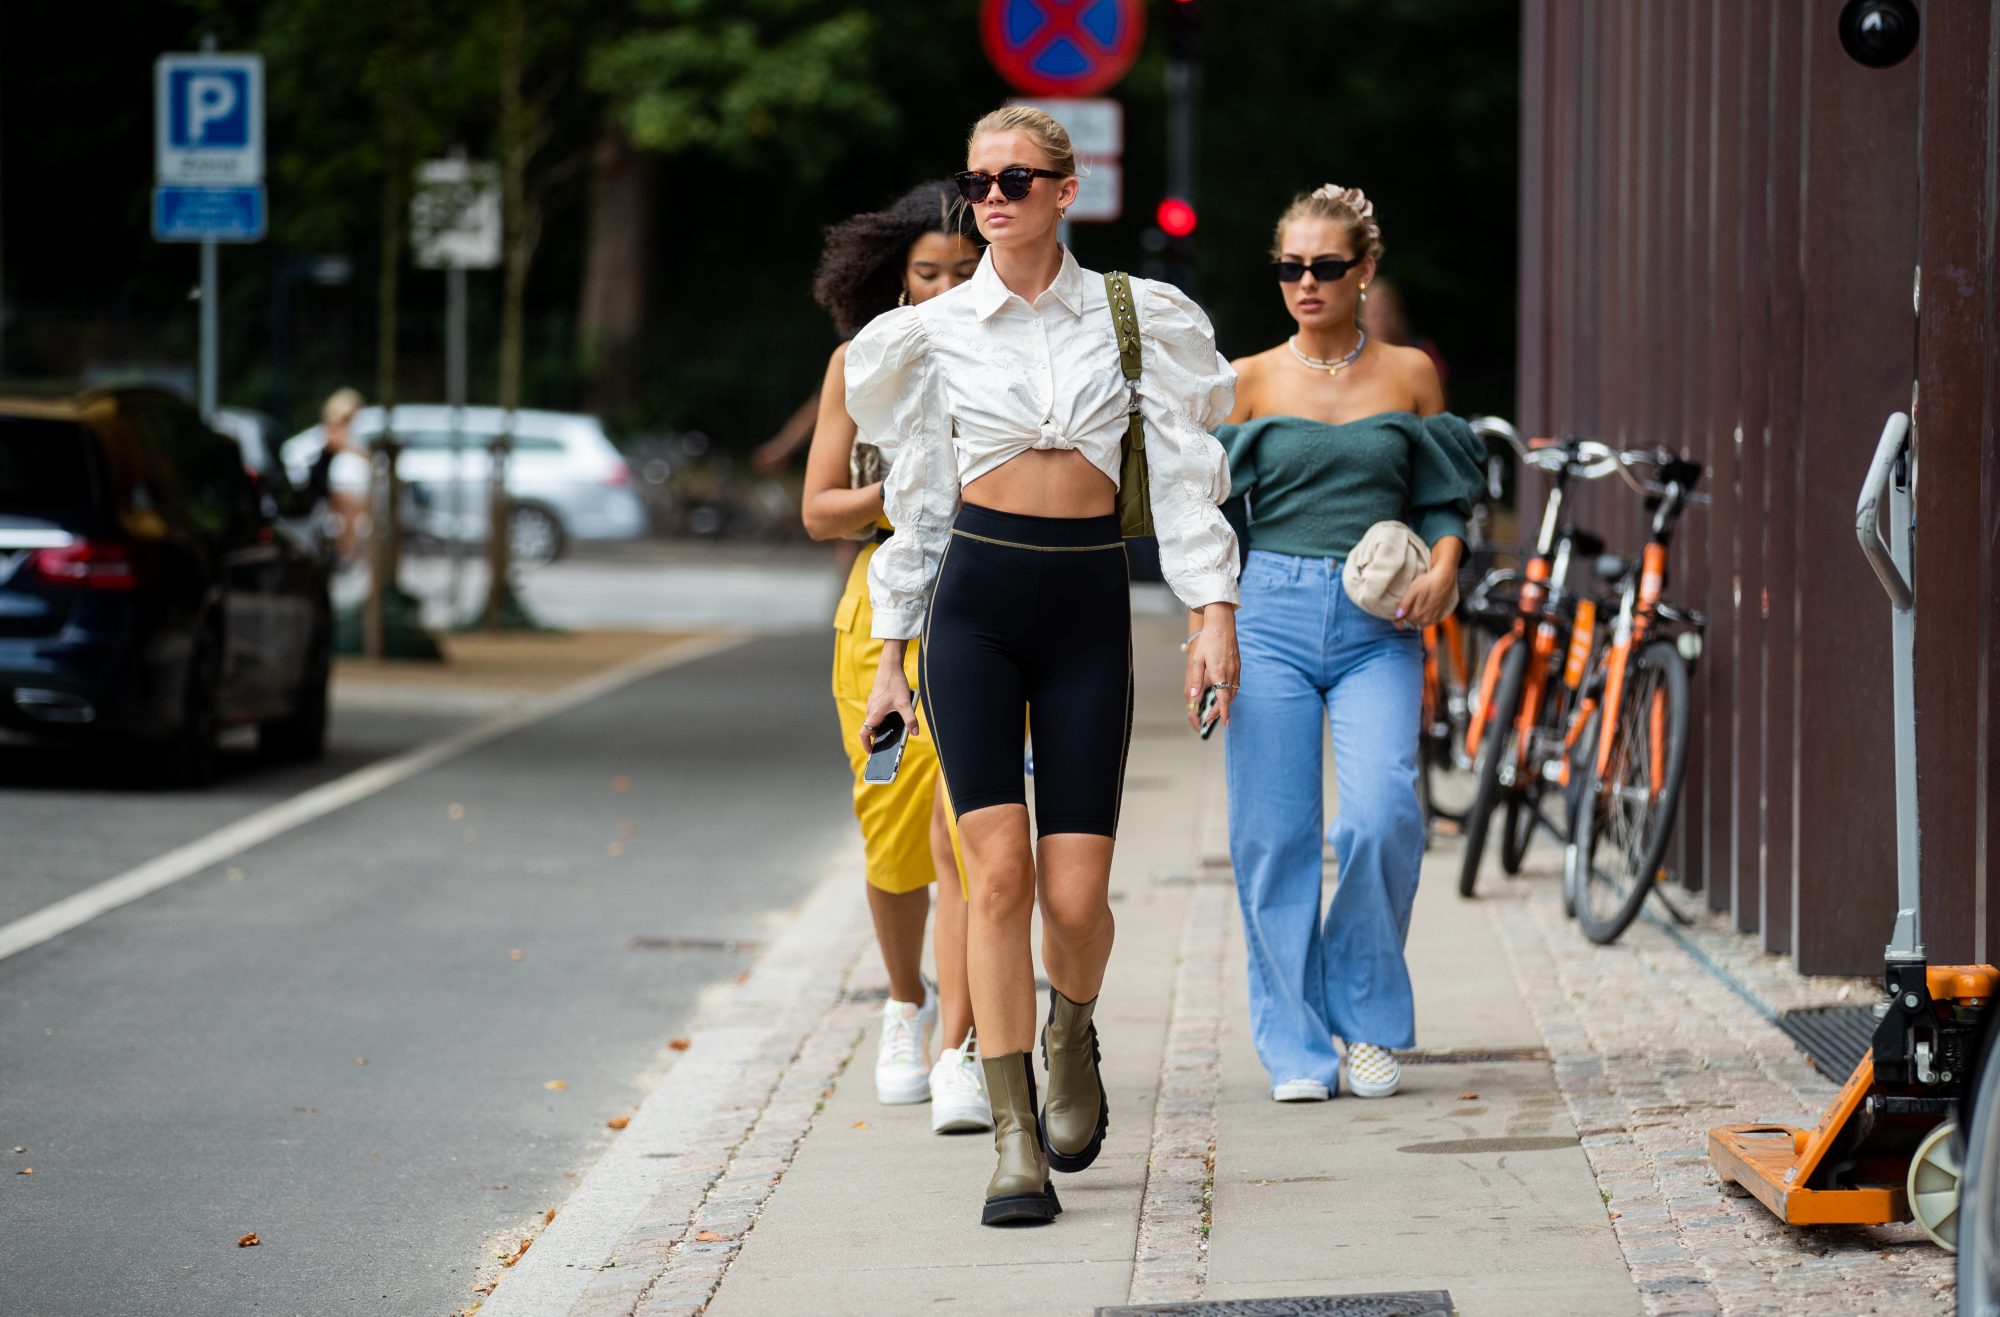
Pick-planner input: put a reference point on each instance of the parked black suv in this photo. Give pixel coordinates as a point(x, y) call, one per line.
point(149, 595)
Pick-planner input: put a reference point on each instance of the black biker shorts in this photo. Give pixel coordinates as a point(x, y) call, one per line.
point(1030, 624)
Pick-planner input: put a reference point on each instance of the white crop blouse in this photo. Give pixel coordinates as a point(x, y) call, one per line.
point(955, 386)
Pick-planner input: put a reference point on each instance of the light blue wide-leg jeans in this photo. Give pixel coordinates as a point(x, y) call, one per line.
point(1308, 653)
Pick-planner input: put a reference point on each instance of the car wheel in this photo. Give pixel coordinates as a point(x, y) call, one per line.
point(186, 758)
point(300, 736)
point(535, 536)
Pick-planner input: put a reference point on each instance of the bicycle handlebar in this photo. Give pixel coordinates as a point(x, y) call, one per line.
point(1587, 459)
point(1490, 428)
point(1867, 515)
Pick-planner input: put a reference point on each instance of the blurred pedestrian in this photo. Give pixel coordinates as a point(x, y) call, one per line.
point(917, 248)
point(1003, 408)
point(1347, 475)
point(1386, 320)
point(349, 509)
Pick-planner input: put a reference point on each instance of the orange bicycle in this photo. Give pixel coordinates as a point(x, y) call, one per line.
point(1522, 726)
point(1634, 737)
point(1455, 649)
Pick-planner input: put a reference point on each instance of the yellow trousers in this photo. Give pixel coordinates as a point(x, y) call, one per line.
point(895, 817)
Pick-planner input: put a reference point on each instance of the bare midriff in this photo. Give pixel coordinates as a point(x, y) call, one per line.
point(1042, 482)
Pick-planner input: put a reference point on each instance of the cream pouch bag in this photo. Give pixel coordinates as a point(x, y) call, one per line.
point(1383, 566)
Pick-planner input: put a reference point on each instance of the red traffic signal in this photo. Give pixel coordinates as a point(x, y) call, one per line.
point(1175, 217)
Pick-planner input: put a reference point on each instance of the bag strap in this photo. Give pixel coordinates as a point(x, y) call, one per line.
point(1124, 321)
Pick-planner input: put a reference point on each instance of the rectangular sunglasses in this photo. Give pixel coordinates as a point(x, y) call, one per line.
point(1014, 181)
point(1326, 271)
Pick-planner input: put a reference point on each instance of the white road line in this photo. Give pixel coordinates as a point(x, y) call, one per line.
point(206, 852)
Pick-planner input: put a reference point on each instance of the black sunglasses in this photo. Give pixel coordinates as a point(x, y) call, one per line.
point(1327, 271)
point(1014, 181)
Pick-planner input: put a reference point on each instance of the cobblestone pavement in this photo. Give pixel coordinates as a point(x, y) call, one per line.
point(1650, 1050)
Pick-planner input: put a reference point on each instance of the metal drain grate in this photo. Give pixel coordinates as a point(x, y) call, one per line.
point(1835, 1037)
point(1415, 1303)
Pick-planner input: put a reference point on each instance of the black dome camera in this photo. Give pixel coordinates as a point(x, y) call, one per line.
point(1878, 33)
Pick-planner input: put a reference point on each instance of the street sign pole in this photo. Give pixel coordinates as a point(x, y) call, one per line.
point(211, 328)
point(211, 323)
point(454, 388)
point(455, 226)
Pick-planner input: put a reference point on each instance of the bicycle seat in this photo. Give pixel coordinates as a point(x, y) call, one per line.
point(1612, 569)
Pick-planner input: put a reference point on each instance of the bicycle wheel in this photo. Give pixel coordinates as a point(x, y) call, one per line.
point(1523, 808)
point(1582, 759)
point(1626, 818)
point(1446, 785)
point(1496, 747)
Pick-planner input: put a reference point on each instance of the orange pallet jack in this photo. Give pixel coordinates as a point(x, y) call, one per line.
point(1885, 1150)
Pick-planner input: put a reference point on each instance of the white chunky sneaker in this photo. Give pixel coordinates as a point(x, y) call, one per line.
point(1300, 1090)
point(958, 1091)
point(1372, 1072)
point(902, 1057)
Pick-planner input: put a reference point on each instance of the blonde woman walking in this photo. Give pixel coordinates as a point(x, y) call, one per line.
point(1004, 404)
point(1338, 441)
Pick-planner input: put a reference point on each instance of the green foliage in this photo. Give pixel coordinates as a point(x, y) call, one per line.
point(751, 80)
point(782, 116)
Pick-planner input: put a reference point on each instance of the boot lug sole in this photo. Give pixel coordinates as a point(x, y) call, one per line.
point(1022, 1209)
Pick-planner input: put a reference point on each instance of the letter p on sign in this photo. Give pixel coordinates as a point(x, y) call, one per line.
point(211, 99)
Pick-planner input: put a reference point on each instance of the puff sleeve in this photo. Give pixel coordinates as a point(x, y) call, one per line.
point(896, 398)
point(1447, 466)
point(1239, 442)
point(1186, 389)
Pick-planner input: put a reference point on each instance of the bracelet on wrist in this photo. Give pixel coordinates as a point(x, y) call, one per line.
point(1194, 636)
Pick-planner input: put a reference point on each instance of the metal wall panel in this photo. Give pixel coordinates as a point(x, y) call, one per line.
point(1721, 214)
point(1955, 348)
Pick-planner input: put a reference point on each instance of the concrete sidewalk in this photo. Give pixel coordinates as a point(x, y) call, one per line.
point(762, 1176)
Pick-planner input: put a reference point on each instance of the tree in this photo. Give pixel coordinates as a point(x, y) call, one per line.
point(754, 82)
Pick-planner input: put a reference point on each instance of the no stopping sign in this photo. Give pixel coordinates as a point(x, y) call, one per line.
point(1062, 47)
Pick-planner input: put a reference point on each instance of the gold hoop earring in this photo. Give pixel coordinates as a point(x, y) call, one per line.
point(1061, 212)
point(903, 298)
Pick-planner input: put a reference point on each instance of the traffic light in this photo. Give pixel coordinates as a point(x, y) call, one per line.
point(1183, 21)
point(1176, 218)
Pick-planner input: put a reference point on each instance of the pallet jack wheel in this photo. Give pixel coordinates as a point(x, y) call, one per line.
point(1934, 1173)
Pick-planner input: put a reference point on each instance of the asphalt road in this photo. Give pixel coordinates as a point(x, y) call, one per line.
point(330, 1041)
point(70, 820)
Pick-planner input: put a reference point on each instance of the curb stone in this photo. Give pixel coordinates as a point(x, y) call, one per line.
point(1170, 1259)
point(711, 1142)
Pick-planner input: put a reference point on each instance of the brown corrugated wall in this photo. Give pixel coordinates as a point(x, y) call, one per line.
point(1723, 222)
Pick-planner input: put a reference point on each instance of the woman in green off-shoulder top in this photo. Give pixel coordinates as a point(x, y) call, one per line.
point(1331, 434)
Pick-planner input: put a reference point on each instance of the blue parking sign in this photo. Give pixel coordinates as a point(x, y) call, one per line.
point(210, 119)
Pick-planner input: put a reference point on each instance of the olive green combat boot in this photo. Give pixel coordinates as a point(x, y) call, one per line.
point(1074, 1122)
point(1020, 1192)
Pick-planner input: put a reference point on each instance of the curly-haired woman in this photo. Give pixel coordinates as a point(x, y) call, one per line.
point(1007, 405)
point(910, 252)
point(1333, 434)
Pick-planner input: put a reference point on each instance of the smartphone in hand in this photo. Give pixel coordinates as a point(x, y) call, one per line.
point(1207, 716)
point(885, 750)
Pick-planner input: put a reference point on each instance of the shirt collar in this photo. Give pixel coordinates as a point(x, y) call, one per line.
point(989, 294)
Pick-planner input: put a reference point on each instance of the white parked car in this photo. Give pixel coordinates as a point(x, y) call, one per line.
point(567, 482)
